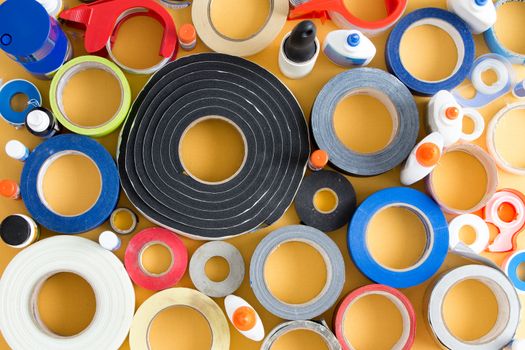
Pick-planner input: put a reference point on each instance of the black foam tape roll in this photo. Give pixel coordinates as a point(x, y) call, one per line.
point(345, 203)
point(263, 109)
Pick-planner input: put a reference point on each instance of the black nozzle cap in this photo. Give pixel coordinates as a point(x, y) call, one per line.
point(300, 45)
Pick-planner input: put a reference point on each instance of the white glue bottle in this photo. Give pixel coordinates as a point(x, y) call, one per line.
point(348, 48)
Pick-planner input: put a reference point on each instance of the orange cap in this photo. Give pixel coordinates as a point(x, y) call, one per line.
point(507, 212)
point(187, 33)
point(244, 318)
point(428, 154)
point(9, 189)
point(452, 113)
point(318, 159)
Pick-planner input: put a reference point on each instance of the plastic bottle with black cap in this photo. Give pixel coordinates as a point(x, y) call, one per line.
point(299, 51)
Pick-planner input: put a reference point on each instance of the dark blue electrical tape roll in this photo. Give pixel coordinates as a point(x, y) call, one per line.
point(435, 226)
point(442, 19)
point(49, 151)
point(8, 91)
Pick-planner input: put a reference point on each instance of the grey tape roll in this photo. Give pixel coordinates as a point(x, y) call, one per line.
point(397, 99)
point(201, 280)
point(508, 308)
point(325, 333)
point(335, 274)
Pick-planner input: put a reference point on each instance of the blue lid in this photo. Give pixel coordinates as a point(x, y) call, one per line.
point(353, 39)
point(480, 2)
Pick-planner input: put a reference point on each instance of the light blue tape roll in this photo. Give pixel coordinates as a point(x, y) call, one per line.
point(435, 226)
point(446, 21)
point(511, 269)
point(519, 89)
point(8, 91)
point(34, 170)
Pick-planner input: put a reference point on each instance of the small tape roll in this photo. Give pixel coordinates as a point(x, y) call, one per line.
point(322, 330)
point(146, 313)
point(198, 265)
point(508, 308)
point(339, 186)
point(8, 91)
point(142, 241)
point(62, 78)
point(435, 227)
point(116, 225)
point(490, 169)
point(399, 103)
point(475, 222)
point(332, 258)
point(450, 23)
point(510, 267)
point(35, 168)
point(115, 299)
point(210, 35)
point(401, 302)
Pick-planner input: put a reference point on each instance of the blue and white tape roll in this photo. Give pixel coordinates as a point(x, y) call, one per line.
point(450, 23)
point(8, 91)
point(435, 226)
point(35, 169)
point(511, 265)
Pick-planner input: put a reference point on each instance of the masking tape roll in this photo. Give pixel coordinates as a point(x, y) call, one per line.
point(8, 91)
point(510, 267)
point(210, 35)
point(399, 103)
point(335, 272)
point(34, 171)
point(322, 330)
point(139, 332)
point(20, 322)
point(401, 302)
point(198, 265)
point(475, 222)
point(436, 229)
point(63, 77)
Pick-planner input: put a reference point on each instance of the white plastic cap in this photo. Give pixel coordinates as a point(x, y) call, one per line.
point(108, 240)
point(37, 120)
point(16, 150)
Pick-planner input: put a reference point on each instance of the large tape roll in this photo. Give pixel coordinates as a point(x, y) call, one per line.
point(322, 330)
point(20, 322)
point(396, 98)
point(435, 227)
point(138, 335)
point(447, 21)
point(335, 276)
point(35, 168)
point(248, 96)
point(8, 91)
point(506, 324)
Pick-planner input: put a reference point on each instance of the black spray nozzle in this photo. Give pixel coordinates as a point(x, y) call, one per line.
point(300, 45)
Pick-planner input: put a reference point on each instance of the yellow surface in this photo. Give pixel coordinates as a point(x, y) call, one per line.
point(137, 46)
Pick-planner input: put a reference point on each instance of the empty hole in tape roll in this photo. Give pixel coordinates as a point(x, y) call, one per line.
point(489, 77)
point(212, 150)
point(365, 121)
point(181, 328)
point(510, 26)
point(397, 237)
point(155, 258)
point(520, 271)
point(325, 200)
point(217, 269)
point(69, 183)
point(467, 234)
point(65, 304)
point(300, 339)
point(368, 10)
point(510, 128)
point(467, 126)
point(236, 22)
point(295, 272)
point(19, 102)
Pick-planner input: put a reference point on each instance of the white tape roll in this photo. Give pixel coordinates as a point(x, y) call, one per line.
point(21, 325)
point(480, 227)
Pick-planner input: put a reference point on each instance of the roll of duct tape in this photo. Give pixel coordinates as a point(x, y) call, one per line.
point(511, 266)
point(399, 103)
point(8, 91)
point(477, 224)
point(322, 330)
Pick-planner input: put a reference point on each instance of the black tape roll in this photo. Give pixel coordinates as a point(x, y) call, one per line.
point(263, 109)
point(344, 209)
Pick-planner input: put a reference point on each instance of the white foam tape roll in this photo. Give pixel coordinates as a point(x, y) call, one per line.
point(321, 329)
point(20, 322)
point(475, 222)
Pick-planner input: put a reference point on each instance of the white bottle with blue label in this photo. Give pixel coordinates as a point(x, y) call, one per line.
point(480, 15)
point(348, 48)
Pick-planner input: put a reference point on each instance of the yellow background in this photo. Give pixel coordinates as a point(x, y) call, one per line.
point(66, 302)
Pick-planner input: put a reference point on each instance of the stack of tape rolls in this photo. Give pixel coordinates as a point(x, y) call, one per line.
point(335, 274)
point(34, 171)
point(24, 276)
point(322, 330)
point(8, 91)
point(399, 103)
point(194, 88)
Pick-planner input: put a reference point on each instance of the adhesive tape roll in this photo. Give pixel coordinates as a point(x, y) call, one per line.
point(511, 266)
point(35, 168)
point(210, 35)
point(490, 169)
point(475, 222)
point(328, 337)
point(198, 265)
point(450, 23)
point(120, 227)
point(335, 276)
point(435, 227)
point(115, 299)
point(62, 78)
point(508, 308)
point(340, 188)
point(192, 89)
point(8, 91)
point(138, 335)
point(398, 101)
point(142, 241)
point(401, 302)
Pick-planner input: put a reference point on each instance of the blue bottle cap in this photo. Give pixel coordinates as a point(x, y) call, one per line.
point(353, 39)
point(480, 2)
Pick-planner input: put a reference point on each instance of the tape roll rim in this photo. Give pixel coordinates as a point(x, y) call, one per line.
point(113, 224)
point(321, 329)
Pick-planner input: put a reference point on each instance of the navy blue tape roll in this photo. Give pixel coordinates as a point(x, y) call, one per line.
point(8, 91)
point(442, 19)
point(34, 169)
point(435, 226)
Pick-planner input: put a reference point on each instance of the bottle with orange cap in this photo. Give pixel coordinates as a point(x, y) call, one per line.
point(318, 160)
point(423, 159)
point(244, 317)
point(187, 37)
point(9, 189)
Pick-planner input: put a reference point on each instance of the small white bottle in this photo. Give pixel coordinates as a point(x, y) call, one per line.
point(16, 150)
point(299, 51)
point(108, 240)
point(480, 15)
point(348, 48)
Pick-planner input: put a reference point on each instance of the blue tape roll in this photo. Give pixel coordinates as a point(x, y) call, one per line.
point(442, 19)
point(511, 269)
point(12, 88)
point(34, 170)
point(435, 226)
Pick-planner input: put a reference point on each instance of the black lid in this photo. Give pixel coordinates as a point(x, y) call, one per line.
point(15, 230)
point(300, 45)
